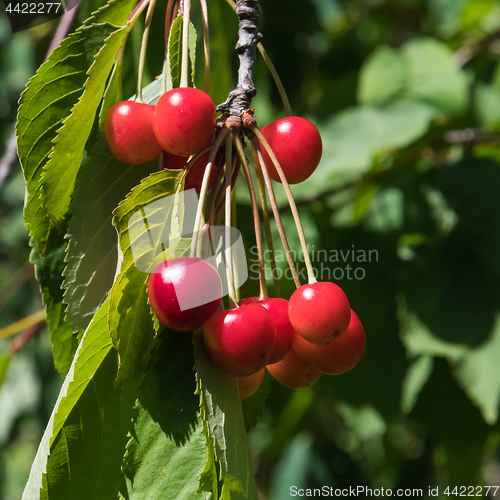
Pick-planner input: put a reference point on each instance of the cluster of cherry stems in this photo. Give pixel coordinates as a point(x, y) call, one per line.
point(315, 331)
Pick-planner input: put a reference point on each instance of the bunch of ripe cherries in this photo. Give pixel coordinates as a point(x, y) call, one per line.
point(313, 333)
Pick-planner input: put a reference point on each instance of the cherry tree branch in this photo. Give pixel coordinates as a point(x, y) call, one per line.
point(239, 100)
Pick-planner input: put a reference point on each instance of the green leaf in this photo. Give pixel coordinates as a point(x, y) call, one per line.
point(446, 15)
point(487, 106)
point(382, 76)
point(147, 218)
point(476, 369)
point(353, 138)
point(4, 363)
point(43, 106)
point(82, 448)
point(478, 372)
point(386, 211)
point(365, 420)
point(130, 323)
point(221, 409)
point(419, 340)
point(416, 377)
point(292, 469)
point(476, 11)
point(92, 253)
point(166, 453)
point(115, 12)
point(47, 102)
point(62, 168)
point(48, 272)
point(192, 51)
point(113, 92)
point(175, 52)
point(221, 51)
point(435, 77)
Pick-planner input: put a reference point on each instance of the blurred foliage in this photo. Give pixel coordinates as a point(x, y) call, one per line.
point(406, 94)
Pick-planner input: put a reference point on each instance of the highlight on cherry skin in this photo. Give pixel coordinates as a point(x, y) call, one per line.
point(338, 357)
point(184, 293)
point(240, 341)
point(248, 385)
point(292, 372)
point(285, 332)
point(319, 312)
point(184, 121)
point(128, 129)
point(297, 144)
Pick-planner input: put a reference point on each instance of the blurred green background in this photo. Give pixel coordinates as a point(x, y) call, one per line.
point(406, 94)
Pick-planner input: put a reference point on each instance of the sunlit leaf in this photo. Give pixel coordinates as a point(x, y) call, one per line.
point(143, 221)
point(70, 464)
point(166, 453)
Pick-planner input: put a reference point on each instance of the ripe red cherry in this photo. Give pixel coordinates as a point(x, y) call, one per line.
point(194, 178)
point(184, 293)
point(293, 372)
point(174, 162)
point(129, 132)
point(249, 385)
point(285, 332)
point(320, 312)
point(184, 121)
point(297, 144)
point(339, 356)
point(240, 341)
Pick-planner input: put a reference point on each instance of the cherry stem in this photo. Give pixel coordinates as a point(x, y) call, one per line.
point(144, 45)
point(221, 195)
point(213, 197)
point(256, 219)
point(168, 26)
point(197, 156)
point(277, 79)
point(277, 217)
point(233, 302)
point(204, 189)
point(137, 11)
point(206, 45)
point(291, 201)
point(267, 224)
point(22, 324)
point(20, 342)
point(185, 44)
point(237, 289)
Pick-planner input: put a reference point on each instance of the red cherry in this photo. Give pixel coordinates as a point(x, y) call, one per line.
point(285, 332)
point(249, 385)
point(174, 162)
point(240, 341)
point(184, 293)
point(339, 356)
point(129, 132)
point(319, 312)
point(184, 121)
point(297, 144)
point(293, 372)
point(194, 178)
